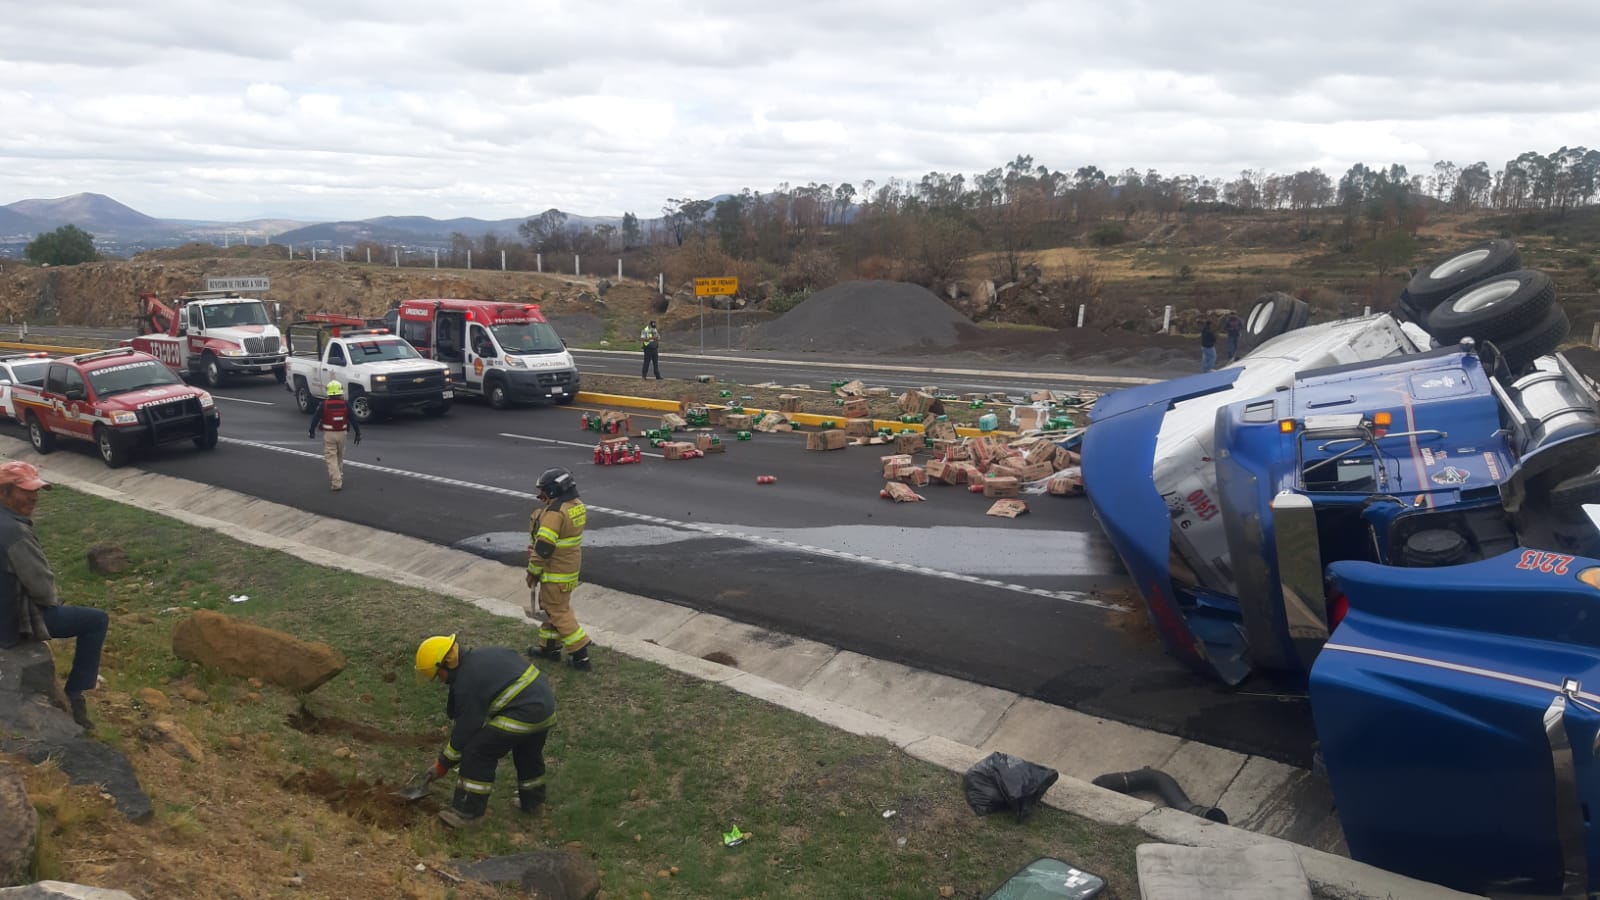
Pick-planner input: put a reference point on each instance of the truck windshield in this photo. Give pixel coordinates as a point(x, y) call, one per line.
point(130, 377)
point(376, 351)
point(29, 373)
point(224, 314)
point(528, 337)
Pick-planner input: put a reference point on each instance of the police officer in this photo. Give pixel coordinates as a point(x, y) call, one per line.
point(332, 415)
point(555, 552)
point(500, 704)
point(652, 350)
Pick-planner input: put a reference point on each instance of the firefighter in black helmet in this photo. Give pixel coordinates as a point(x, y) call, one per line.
point(555, 552)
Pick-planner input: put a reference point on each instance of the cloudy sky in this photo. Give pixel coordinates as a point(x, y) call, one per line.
point(348, 109)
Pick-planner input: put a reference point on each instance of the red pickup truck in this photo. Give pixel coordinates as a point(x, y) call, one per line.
point(120, 399)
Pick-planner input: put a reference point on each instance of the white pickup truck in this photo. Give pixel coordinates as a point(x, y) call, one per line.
point(381, 373)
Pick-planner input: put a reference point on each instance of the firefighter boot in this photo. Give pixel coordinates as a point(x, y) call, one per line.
point(530, 799)
point(465, 809)
point(550, 650)
point(580, 660)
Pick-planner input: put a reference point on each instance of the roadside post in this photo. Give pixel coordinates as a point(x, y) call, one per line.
point(715, 287)
point(1166, 321)
point(1081, 307)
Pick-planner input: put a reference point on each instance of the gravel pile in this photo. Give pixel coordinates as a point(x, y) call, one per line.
point(865, 315)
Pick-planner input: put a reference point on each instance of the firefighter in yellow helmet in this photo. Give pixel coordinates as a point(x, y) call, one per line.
point(500, 703)
point(332, 416)
point(555, 554)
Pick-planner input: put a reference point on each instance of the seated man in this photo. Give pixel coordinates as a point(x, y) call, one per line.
point(29, 607)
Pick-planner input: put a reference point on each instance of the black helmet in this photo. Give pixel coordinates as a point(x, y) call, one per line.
point(557, 483)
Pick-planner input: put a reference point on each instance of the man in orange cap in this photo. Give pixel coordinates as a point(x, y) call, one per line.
point(30, 610)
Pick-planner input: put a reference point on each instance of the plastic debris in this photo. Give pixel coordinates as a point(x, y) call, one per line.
point(734, 837)
point(238, 598)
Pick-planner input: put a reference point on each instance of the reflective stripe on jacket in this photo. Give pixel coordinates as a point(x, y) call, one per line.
point(563, 527)
point(495, 687)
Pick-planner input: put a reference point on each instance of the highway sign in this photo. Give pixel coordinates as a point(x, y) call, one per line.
point(257, 283)
point(716, 287)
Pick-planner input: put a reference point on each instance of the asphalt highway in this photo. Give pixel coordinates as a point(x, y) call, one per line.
point(1034, 605)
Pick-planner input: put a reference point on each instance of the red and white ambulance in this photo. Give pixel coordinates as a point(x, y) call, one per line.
point(505, 352)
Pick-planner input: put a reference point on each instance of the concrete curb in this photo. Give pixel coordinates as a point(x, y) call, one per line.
point(1334, 876)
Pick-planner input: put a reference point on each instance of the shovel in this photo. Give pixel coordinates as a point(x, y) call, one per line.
point(415, 789)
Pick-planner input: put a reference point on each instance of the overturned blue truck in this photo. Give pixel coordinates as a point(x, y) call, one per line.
point(1394, 512)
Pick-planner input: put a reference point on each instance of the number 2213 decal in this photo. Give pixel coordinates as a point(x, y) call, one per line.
point(1540, 561)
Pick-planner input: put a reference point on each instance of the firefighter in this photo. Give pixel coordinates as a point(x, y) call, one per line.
point(555, 550)
point(651, 338)
point(332, 415)
point(499, 703)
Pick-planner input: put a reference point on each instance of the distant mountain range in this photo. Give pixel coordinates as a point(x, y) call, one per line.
point(121, 229)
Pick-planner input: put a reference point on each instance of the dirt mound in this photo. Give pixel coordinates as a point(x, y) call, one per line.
point(370, 804)
point(865, 315)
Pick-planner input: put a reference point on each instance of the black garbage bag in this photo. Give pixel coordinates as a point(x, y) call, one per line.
point(999, 782)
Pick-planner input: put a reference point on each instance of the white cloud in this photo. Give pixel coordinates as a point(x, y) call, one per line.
point(357, 108)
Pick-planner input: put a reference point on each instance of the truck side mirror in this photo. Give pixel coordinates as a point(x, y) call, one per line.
point(74, 393)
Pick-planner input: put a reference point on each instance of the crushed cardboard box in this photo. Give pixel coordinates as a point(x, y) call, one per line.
point(1064, 458)
point(1066, 483)
point(877, 392)
point(1031, 418)
point(1009, 509)
point(936, 469)
point(774, 421)
point(673, 422)
point(900, 493)
point(912, 475)
point(680, 450)
point(941, 430)
point(736, 421)
point(850, 389)
point(919, 403)
point(831, 439)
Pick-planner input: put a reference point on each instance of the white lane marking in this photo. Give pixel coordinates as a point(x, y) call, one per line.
point(529, 437)
point(1077, 597)
point(242, 400)
point(879, 367)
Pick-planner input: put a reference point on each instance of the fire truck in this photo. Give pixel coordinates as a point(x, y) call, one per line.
point(211, 335)
point(505, 352)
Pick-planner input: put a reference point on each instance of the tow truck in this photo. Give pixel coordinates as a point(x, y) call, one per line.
point(380, 372)
point(211, 335)
point(506, 353)
point(118, 399)
point(1395, 512)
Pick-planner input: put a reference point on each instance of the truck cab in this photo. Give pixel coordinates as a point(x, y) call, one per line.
point(506, 353)
point(381, 373)
point(212, 335)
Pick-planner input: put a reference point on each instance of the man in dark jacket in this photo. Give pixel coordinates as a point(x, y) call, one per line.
point(332, 416)
point(500, 704)
point(30, 610)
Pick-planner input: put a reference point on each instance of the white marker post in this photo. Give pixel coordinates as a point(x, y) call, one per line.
point(576, 270)
point(1166, 321)
point(1080, 315)
point(502, 260)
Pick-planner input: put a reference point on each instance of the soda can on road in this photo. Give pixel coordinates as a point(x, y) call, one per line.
point(766, 479)
point(742, 435)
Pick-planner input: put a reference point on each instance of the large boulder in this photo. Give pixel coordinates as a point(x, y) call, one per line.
point(228, 645)
point(108, 559)
point(19, 828)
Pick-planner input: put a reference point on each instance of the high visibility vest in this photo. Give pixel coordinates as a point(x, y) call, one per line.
point(562, 526)
point(335, 415)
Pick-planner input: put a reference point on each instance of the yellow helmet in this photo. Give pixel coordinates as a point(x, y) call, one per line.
point(335, 389)
point(432, 653)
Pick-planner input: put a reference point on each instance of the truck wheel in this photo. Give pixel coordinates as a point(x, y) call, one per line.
point(210, 371)
point(302, 395)
point(1271, 315)
point(436, 409)
point(281, 374)
point(1500, 307)
point(1537, 341)
point(498, 398)
point(361, 407)
point(208, 440)
point(41, 438)
point(112, 451)
point(1434, 284)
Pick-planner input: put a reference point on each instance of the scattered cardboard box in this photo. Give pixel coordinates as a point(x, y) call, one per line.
point(1030, 418)
point(774, 421)
point(788, 403)
point(892, 464)
point(707, 443)
point(680, 450)
point(1025, 472)
point(831, 439)
point(1064, 458)
point(736, 421)
point(936, 469)
point(913, 475)
point(1001, 486)
point(900, 493)
point(856, 408)
point(941, 431)
point(1009, 509)
point(877, 392)
point(673, 422)
point(1066, 483)
point(858, 427)
point(850, 389)
point(622, 421)
point(908, 442)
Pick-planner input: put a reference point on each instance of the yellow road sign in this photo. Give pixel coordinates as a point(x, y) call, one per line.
point(716, 287)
